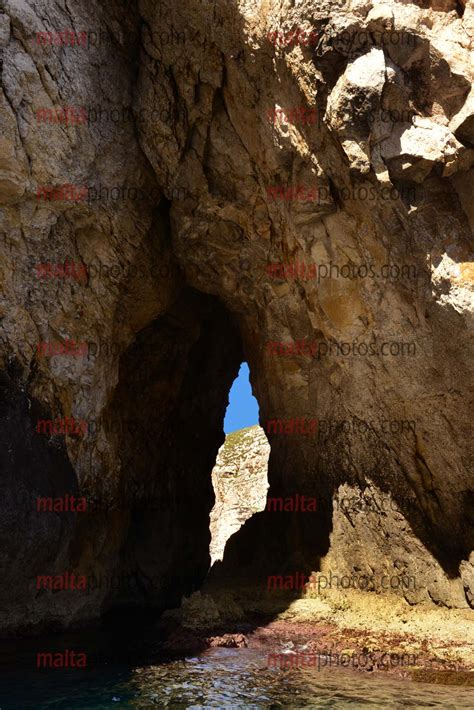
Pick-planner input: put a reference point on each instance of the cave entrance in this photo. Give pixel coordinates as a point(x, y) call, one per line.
point(240, 474)
point(166, 422)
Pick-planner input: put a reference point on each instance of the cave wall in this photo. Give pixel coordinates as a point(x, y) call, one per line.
point(391, 398)
point(196, 158)
point(146, 364)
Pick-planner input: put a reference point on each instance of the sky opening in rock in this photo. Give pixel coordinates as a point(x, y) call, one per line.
point(242, 410)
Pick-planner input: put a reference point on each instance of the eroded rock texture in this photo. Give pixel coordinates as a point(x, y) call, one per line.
point(219, 138)
point(240, 482)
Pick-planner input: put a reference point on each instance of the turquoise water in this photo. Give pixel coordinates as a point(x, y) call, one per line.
point(216, 678)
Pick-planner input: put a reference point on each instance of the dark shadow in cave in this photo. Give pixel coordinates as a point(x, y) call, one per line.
point(166, 417)
point(166, 420)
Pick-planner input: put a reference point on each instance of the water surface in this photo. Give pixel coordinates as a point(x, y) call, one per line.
point(140, 677)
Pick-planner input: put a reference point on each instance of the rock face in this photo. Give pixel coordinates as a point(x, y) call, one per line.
point(183, 185)
point(240, 482)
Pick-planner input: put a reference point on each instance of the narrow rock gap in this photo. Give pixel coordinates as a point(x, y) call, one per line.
point(240, 475)
point(166, 416)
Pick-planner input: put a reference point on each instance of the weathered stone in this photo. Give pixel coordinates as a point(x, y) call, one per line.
point(199, 611)
point(240, 484)
point(4, 30)
point(462, 124)
point(411, 153)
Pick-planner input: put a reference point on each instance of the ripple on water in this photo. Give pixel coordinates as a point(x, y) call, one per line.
point(220, 678)
point(239, 677)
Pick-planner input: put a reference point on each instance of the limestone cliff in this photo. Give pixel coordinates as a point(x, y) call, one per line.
point(187, 184)
point(240, 484)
